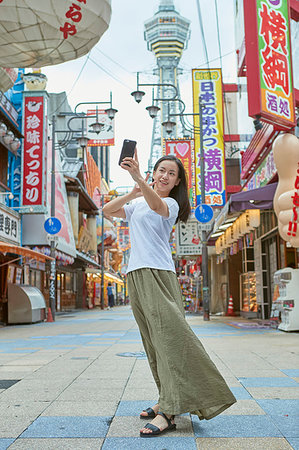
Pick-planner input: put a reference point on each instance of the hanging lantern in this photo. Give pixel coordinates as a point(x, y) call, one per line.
point(37, 34)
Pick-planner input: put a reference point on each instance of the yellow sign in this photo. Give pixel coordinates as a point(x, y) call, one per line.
point(207, 85)
point(84, 240)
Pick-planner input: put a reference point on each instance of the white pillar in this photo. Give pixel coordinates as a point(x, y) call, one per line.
point(73, 201)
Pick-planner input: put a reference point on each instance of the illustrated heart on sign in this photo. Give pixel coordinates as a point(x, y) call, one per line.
point(182, 148)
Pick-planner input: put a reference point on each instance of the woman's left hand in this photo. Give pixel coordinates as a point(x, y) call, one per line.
point(132, 166)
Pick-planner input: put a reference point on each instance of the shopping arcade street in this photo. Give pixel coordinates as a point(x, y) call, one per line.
point(65, 385)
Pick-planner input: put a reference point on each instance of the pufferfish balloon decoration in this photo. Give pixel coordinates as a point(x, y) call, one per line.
point(286, 199)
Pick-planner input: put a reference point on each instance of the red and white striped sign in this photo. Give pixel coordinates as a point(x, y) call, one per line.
point(33, 151)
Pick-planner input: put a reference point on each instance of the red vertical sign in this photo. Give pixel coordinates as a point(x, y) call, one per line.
point(33, 151)
point(182, 149)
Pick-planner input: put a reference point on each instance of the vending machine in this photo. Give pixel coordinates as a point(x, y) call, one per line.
point(287, 302)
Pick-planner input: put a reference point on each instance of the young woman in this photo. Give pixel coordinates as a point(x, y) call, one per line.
point(186, 378)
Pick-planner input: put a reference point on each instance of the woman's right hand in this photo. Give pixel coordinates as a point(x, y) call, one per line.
point(136, 191)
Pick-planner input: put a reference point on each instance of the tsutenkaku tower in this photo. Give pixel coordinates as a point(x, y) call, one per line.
point(167, 34)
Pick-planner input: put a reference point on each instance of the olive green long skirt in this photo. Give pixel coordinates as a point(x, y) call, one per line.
point(187, 379)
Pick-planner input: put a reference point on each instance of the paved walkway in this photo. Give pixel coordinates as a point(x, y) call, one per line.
point(74, 384)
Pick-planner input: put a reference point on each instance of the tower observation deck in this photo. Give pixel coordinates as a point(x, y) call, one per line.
point(167, 34)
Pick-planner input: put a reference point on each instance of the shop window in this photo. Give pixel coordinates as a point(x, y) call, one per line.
point(3, 168)
point(74, 282)
point(68, 281)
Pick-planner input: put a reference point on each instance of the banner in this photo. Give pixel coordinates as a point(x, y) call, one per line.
point(207, 84)
point(106, 135)
point(34, 154)
point(183, 149)
point(268, 60)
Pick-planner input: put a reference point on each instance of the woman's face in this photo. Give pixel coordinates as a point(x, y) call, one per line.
point(166, 177)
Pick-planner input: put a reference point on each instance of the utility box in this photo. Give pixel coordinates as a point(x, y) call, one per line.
point(287, 303)
point(26, 304)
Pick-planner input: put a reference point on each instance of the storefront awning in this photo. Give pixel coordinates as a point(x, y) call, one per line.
point(261, 198)
point(114, 278)
point(107, 276)
point(87, 259)
point(22, 251)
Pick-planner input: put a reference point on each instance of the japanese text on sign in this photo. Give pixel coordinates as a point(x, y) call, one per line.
point(33, 151)
point(9, 227)
point(74, 15)
point(188, 240)
point(183, 150)
point(275, 59)
point(8, 107)
point(207, 85)
point(293, 224)
point(106, 136)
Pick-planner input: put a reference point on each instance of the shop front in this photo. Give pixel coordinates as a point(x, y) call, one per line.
point(14, 271)
point(252, 249)
point(93, 283)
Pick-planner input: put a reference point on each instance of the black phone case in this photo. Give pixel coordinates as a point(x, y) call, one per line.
point(128, 149)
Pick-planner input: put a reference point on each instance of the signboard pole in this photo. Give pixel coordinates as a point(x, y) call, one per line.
point(205, 260)
point(102, 255)
point(52, 291)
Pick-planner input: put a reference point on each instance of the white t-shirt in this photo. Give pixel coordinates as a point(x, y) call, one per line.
point(149, 234)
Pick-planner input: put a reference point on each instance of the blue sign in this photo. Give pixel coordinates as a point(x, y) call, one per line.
point(52, 225)
point(204, 213)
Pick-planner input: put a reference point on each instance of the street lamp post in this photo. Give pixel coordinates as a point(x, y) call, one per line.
point(169, 126)
point(52, 291)
point(102, 255)
point(82, 140)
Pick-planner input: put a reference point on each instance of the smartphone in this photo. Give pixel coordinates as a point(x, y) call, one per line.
point(128, 149)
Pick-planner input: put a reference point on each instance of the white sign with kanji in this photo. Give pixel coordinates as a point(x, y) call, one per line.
point(188, 240)
point(9, 227)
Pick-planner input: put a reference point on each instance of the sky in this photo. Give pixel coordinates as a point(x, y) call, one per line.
point(122, 52)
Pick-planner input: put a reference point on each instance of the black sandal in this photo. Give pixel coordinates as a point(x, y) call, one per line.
point(155, 430)
point(150, 413)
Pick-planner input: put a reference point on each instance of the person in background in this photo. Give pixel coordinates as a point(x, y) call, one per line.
point(186, 378)
point(110, 295)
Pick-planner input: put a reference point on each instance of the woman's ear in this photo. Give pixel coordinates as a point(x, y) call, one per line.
point(178, 182)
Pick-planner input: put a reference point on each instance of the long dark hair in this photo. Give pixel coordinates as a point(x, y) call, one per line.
point(179, 192)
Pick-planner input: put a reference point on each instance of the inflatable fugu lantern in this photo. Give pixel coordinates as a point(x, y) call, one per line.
point(286, 199)
point(35, 33)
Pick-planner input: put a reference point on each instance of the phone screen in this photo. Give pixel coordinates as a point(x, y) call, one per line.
point(128, 149)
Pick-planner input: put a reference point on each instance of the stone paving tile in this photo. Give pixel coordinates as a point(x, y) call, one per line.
point(236, 426)
point(244, 407)
point(12, 427)
point(289, 426)
point(17, 368)
point(83, 408)
point(68, 427)
point(81, 394)
point(133, 408)
point(240, 372)
point(277, 407)
point(268, 382)
point(156, 443)
point(275, 393)
point(130, 426)
point(28, 410)
point(231, 381)
point(138, 394)
point(291, 372)
point(5, 443)
point(56, 444)
point(242, 444)
point(240, 393)
point(294, 442)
